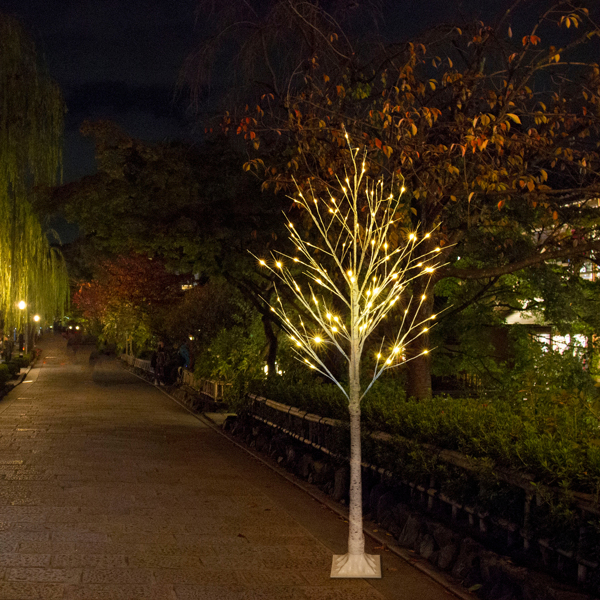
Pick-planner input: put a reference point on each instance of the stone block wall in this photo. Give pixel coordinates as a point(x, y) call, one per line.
point(398, 508)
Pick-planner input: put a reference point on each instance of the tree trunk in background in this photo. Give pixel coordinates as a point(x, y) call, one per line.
point(273, 345)
point(418, 383)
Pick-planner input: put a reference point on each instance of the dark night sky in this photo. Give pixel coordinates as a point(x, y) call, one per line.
point(119, 59)
point(114, 59)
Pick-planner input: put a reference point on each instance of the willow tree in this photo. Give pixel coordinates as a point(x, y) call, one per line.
point(357, 274)
point(31, 125)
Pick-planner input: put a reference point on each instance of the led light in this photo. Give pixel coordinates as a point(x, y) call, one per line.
point(349, 273)
point(329, 316)
point(411, 236)
point(402, 190)
point(334, 329)
point(279, 265)
point(425, 351)
point(262, 262)
point(423, 297)
point(318, 340)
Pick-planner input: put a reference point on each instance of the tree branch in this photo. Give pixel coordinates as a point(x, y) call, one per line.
point(530, 261)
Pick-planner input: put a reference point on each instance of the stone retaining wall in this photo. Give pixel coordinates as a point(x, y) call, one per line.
point(401, 511)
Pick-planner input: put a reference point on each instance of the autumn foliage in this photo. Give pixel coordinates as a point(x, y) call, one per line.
point(128, 294)
point(493, 128)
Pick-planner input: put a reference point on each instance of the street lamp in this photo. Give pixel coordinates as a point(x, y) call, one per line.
point(22, 306)
point(36, 329)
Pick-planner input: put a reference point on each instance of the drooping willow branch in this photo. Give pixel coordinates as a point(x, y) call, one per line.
point(31, 126)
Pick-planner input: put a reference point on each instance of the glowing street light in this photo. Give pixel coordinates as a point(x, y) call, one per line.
point(36, 318)
point(22, 305)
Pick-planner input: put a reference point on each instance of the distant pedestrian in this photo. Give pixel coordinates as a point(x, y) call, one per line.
point(184, 355)
point(158, 361)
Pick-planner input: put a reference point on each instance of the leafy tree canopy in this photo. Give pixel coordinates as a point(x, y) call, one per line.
point(492, 128)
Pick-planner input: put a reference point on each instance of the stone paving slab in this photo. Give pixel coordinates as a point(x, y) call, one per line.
point(110, 490)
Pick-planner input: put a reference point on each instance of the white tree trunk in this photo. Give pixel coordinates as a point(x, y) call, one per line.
point(356, 540)
point(356, 563)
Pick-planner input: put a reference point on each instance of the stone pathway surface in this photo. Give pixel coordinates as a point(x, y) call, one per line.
point(110, 490)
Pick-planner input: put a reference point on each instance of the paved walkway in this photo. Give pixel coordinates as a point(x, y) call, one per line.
point(110, 490)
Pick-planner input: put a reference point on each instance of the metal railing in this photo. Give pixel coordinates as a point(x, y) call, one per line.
point(578, 562)
point(212, 389)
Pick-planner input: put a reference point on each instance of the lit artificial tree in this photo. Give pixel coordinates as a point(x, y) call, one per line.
point(355, 264)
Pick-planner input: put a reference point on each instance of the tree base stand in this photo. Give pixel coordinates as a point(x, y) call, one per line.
point(362, 566)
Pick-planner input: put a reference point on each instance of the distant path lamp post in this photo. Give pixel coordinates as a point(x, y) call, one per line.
point(36, 318)
point(22, 305)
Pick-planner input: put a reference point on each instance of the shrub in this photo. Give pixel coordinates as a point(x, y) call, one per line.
point(22, 361)
point(13, 368)
point(5, 374)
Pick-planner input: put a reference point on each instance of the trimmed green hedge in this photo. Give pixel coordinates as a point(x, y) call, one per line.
point(13, 368)
point(5, 374)
point(554, 437)
point(22, 361)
